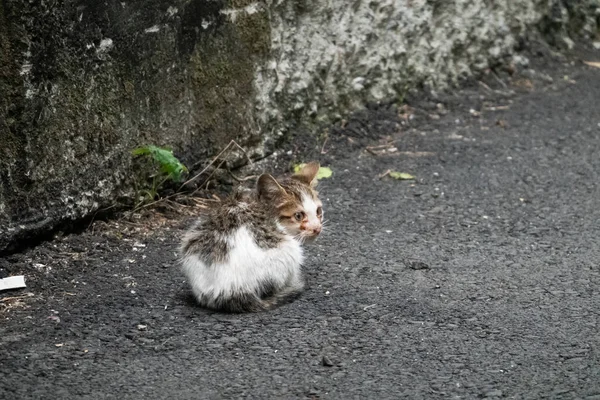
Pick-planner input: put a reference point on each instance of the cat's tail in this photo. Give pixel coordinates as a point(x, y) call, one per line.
point(238, 303)
point(244, 302)
point(250, 302)
point(286, 295)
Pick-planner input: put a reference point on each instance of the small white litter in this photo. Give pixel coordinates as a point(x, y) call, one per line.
point(12, 282)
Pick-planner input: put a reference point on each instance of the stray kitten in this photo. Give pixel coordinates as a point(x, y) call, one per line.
point(245, 255)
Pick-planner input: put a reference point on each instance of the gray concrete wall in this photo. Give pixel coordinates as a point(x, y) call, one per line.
point(83, 82)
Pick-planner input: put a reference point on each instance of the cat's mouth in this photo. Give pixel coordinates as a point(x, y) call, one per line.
point(308, 238)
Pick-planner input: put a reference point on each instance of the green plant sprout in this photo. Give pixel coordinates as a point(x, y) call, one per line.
point(167, 166)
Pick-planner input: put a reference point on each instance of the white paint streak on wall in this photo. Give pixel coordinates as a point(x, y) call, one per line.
point(206, 24)
point(25, 69)
point(105, 45)
point(152, 29)
point(233, 13)
point(26, 72)
point(172, 11)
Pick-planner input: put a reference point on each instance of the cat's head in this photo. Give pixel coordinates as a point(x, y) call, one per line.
point(295, 201)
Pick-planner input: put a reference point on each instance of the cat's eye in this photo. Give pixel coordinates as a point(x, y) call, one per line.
point(299, 216)
point(319, 211)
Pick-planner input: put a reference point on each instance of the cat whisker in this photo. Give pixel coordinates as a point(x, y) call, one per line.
point(300, 238)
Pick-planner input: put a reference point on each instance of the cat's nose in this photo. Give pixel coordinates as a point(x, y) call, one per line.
point(317, 230)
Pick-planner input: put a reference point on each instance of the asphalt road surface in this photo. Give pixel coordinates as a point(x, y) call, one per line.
point(480, 279)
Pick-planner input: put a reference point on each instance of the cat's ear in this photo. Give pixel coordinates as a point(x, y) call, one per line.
point(308, 174)
point(269, 188)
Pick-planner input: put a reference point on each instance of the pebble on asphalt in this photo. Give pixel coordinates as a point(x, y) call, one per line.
point(416, 264)
point(327, 362)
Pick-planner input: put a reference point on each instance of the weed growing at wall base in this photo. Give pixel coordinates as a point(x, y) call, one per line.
point(164, 167)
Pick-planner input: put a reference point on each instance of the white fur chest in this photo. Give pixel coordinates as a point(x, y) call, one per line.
point(246, 268)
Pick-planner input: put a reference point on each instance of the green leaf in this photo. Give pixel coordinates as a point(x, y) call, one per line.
point(324, 172)
point(167, 162)
point(140, 151)
point(402, 176)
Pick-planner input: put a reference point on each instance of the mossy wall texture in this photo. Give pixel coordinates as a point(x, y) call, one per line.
point(84, 82)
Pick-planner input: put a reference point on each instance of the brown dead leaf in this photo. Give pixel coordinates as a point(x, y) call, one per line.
point(595, 64)
point(405, 112)
point(523, 83)
point(9, 303)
